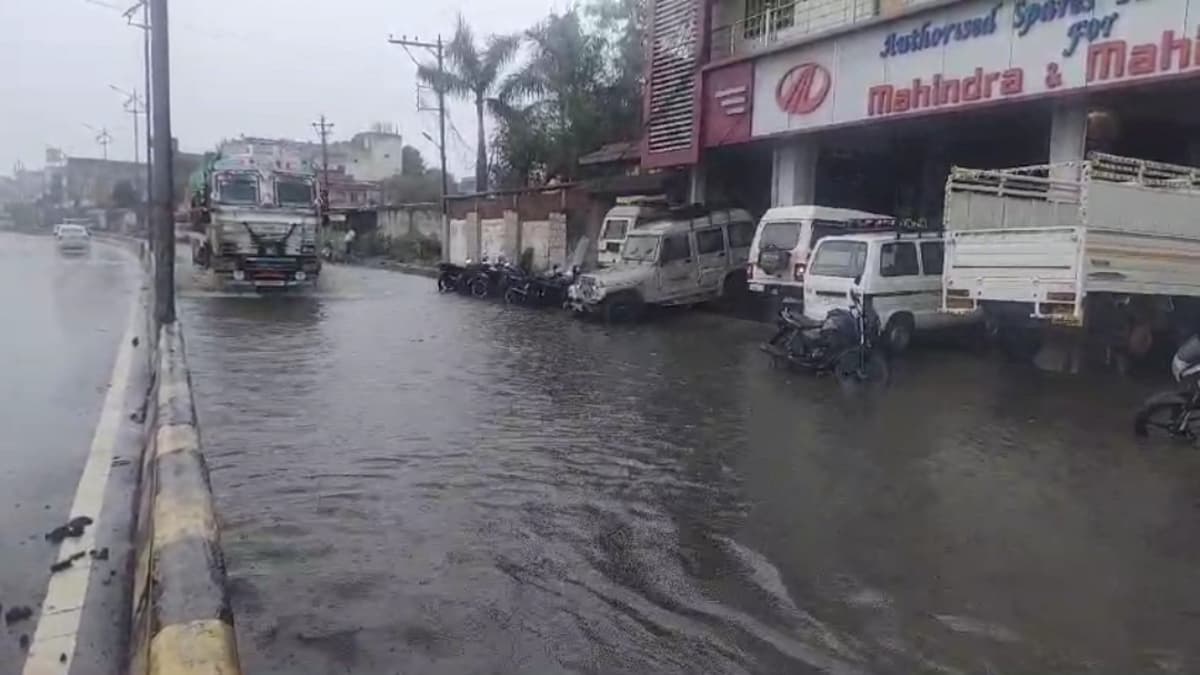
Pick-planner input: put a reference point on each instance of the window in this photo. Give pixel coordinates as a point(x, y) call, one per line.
point(237, 189)
point(826, 228)
point(741, 234)
point(640, 248)
point(932, 254)
point(840, 259)
point(898, 259)
point(676, 247)
point(782, 236)
point(710, 241)
point(294, 192)
point(615, 228)
point(768, 17)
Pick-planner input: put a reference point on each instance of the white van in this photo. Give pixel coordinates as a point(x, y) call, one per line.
point(899, 274)
point(620, 221)
point(785, 237)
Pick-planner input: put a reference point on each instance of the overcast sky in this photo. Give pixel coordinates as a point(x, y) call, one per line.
point(253, 67)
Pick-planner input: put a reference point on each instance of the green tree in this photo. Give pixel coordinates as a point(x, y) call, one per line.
point(474, 74)
point(411, 161)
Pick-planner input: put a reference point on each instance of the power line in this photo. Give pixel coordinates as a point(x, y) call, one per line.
point(323, 128)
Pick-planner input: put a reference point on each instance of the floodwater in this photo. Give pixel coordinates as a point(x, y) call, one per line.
point(412, 483)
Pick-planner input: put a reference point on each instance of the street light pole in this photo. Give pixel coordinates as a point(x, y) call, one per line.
point(145, 28)
point(437, 49)
point(163, 174)
point(135, 107)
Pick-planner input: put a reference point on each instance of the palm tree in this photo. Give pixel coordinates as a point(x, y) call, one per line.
point(473, 73)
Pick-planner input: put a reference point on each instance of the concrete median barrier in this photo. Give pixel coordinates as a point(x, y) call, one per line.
point(182, 622)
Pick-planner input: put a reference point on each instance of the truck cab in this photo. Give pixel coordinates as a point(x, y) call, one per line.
point(259, 224)
point(685, 260)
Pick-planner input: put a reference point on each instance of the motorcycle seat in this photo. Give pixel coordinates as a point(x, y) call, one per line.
point(797, 319)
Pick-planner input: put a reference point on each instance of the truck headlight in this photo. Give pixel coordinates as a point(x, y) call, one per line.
point(301, 276)
point(238, 275)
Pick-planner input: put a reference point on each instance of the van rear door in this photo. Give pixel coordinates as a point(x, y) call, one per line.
point(835, 265)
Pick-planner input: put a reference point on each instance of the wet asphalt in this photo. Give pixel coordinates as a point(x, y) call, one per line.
point(62, 320)
point(415, 483)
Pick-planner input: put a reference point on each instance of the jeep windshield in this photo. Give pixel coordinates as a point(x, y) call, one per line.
point(640, 248)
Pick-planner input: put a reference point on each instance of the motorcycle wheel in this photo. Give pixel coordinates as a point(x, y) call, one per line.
point(445, 283)
point(852, 368)
point(513, 297)
point(1163, 418)
point(479, 287)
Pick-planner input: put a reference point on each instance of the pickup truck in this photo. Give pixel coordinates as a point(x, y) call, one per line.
point(1110, 244)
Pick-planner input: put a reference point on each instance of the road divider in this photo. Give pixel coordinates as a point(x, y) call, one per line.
point(182, 622)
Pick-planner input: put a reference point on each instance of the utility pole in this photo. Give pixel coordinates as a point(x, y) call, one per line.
point(323, 128)
point(436, 49)
point(103, 138)
point(133, 106)
point(164, 179)
point(145, 28)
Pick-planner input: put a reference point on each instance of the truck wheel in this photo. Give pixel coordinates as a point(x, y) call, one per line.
point(623, 307)
point(898, 333)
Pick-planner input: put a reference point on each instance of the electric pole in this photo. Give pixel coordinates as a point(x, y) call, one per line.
point(135, 107)
point(145, 28)
point(164, 179)
point(436, 49)
point(103, 138)
point(323, 128)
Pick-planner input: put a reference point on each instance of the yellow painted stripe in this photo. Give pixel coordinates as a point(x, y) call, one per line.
point(175, 438)
point(177, 517)
point(194, 648)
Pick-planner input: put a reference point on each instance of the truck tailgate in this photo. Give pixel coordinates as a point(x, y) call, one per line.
point(1034, 265)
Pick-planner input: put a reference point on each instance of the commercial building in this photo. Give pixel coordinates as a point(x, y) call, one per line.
point(867, 103)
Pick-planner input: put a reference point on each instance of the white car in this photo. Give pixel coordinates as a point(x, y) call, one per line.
point(619, 222)
point(687, 260)
point(73, 238)
point(784, 240)
point(900, 275)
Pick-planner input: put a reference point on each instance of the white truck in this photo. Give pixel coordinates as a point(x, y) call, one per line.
point(259, 217)
point(1110, 244)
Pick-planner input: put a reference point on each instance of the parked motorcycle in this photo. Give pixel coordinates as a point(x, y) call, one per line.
point(1175, 413)
point(544, 290)
point(450, 277)
point(488, 279)
point(843, 343)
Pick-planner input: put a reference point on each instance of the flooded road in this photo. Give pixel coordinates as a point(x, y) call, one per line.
point(420, 484)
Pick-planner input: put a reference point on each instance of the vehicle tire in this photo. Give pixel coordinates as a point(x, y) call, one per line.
point(898, 334)
point(512, 297)
point(1162, 416)
point(445, 283)
point(623, 308)
point(480, 287)
point(851, 368)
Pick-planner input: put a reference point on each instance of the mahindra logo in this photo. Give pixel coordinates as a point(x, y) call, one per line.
point(803, 89)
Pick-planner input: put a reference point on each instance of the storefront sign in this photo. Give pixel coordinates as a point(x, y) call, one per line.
point(1006, 51)
point(931, 35)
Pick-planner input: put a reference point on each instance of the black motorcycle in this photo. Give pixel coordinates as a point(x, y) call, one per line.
point(843, 343)
point(488, 279)
point(518, 286)
point(1175, 413)
point(544, 290)
point(451, 277)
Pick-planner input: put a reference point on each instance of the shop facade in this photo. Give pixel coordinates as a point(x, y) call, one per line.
point(870, 109)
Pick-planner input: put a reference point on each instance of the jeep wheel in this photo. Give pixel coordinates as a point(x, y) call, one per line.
point(623, 307)
point(897, 336)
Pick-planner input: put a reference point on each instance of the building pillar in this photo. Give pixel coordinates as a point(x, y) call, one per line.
point(698, 183)
point(794, 172)
point(1068, 137)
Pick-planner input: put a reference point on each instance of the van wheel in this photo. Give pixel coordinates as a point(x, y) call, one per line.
point(623, 307)
point(735, 285)
point(898, 333)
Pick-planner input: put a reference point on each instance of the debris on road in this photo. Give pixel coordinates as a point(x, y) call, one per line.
point(24, 642)
point(100, 554)
point(17, 615)
point(135, 341)
point(64, 564)
point(73, 528)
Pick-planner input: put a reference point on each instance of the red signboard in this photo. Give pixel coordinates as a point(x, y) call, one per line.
point(728, 104)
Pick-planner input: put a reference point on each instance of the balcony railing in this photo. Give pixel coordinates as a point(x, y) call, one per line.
point(786, 22)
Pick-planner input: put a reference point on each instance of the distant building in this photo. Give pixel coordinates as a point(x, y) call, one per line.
point(367, 156)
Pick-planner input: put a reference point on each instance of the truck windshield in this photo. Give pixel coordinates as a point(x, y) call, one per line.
point(640, 249)
point(237, 189)
point(294, 193)
point(840, 259)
